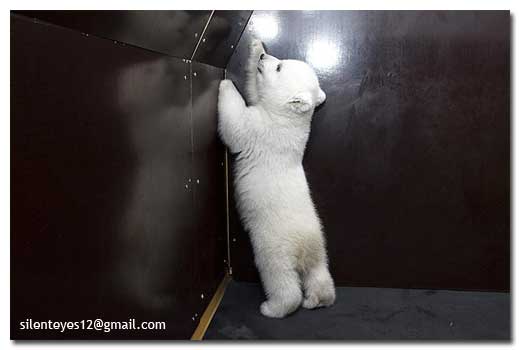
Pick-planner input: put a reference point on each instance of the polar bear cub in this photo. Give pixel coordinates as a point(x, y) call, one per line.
point(273, 197)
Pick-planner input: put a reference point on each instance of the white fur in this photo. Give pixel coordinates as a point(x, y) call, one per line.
point(273, 197)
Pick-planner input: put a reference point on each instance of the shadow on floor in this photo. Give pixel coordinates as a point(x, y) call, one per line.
point(368, 314)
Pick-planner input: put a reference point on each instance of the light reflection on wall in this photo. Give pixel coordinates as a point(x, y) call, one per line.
point(265, 27)
point(157, 125)
point(322, 54)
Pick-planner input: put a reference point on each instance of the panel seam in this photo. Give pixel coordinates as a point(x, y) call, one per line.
point(94, 36)
point(226, 169)
point(202, 35)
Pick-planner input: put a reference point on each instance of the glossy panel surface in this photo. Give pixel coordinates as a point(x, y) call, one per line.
point(221, 37)
point(175, 33)
point(103, 219)
point(408, 159)
point(208, 180)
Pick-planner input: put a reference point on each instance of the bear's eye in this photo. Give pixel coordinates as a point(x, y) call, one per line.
point(279, 67)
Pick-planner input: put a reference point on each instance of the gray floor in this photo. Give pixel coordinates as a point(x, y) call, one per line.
point(369, 314)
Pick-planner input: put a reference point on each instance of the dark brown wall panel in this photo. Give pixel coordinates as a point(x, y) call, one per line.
point(175, 33)
point(221, 37)
point(409, 158)
point(208, 179)
point(102, 210)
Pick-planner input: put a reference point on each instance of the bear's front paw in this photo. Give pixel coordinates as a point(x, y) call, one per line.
point(256, 46)
point(225, 84)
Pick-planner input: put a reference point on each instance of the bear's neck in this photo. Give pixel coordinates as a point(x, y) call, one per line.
point(288, 118)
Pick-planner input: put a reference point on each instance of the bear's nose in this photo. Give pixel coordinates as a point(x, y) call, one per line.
point(262, 56)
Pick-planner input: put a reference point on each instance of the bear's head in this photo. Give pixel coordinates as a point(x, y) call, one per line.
point(288, 86)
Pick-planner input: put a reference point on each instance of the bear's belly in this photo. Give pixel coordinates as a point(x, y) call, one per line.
point(275, 199)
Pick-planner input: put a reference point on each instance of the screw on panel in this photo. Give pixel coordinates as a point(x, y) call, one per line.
point(234, 239)
point(194, 74)
point(202, 296)
point(232, 46)
point(185, 78)
point(196, 34)
point(198, 181)
point(203, 40)
point(186, 186)
point(189, 180)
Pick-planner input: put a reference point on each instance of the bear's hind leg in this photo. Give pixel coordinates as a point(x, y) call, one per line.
point(319, 287)
point(282, 286)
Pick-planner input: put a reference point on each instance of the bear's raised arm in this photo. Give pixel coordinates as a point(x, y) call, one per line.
point(232, 116)
point(256, 48)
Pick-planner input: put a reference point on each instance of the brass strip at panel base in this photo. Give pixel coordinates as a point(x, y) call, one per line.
point(208, 314)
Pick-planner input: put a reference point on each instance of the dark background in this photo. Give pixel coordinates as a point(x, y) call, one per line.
point(409, 158)
point(114, 120)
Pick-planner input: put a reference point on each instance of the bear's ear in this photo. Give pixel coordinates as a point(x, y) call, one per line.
point(321, 97)
point(301, 102)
